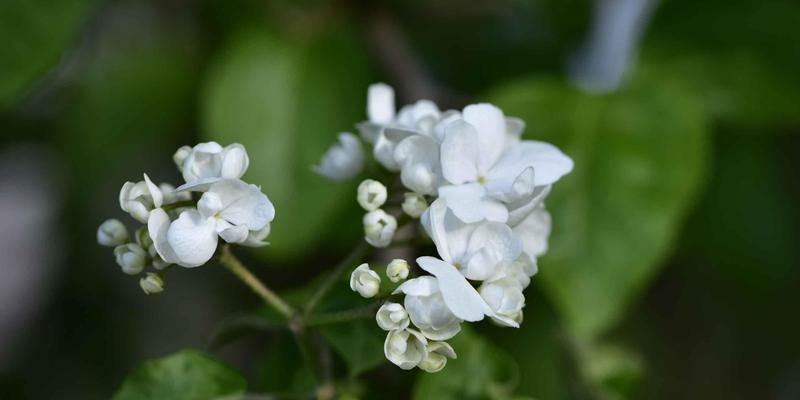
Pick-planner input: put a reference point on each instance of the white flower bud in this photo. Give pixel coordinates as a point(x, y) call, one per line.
point(142, 237)
point(131, 257)
point(112, 233)
point(414, 204)
point(209, 161)
point(405, 348)
point(158, 262)
point(504, 296)
point(379, 228)
point(343, 160)
point(138, 199)
point(436, 357)
point(427, 310)
point(152, 283)
point(180, 156)
point(397, 270)
point(365, 281)
point(392, 316)
point(371, 194)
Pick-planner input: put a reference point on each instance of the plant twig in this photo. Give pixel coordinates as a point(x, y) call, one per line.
point(337, 317)
point(355, 256)
point(271, 298)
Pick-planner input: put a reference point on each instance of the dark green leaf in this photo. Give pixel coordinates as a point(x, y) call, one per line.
point(188, 375)
point(359, 343)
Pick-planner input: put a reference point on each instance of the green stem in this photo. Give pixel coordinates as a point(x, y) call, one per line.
point(271, 298)
point(179, 204)
point(349, 262)
point(338, 317)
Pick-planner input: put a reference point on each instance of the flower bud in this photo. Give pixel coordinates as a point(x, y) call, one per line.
point(436, 357)
point(392, 316)
point(365, 281)
point(151, 284)
point(131, 257)
point(180, 156)
point(112, 233)
point(405, 348)
point(371, 194)
point(343, 160)
point(397, 270)
point(379, 228)
point(427, 309)
point(138, 199)
point(504, 296)
point(144, 240)
point(414, 204)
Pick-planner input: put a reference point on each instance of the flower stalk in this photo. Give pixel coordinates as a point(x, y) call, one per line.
point(271, 298)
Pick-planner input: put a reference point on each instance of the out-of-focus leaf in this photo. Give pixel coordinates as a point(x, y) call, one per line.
point(613, 371)
point(237, 326)
point(359, 343)
point(282, 369)
point(481, 371)
point(285, 100)
point(188, 375)
point(35, 34)
point(639, 158)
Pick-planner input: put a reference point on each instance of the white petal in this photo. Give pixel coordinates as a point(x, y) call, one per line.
point(422, 286)
point(385, 145)
point(461, 298)
point(460, 153)
point(491, 126)
point(198, 185)
point(380, 103)
point(243, 204)
point(548, 162)
point(511, 189)
point(490, 245)
point(470, 203)
point(534, 232)
point(234, 234)
point(520, 209)
point(418, 157)
point(155, 192)
point(209, 204)
point(193, 238)
point(369, 131)
point(157, 227)
point(234, 161)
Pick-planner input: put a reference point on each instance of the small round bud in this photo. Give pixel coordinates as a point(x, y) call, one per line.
point(379, 228)
point(371, 194)
point(151, 284)
point(365, 281)
point(392, 316)
point(112, 233)
point(131, 258)
point(414, 204)
point(397, 270)
point(436, 358)
point(180, 156)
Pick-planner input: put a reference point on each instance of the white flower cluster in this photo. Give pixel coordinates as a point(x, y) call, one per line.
point(486, 189)
point(183, 231)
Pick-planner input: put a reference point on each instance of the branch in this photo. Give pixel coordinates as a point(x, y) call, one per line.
point(355, 256)
point(271, 298)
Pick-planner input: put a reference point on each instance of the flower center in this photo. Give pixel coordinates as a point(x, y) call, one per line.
point(482, 180)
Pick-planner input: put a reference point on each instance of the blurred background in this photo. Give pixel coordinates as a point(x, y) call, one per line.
point(673, 268)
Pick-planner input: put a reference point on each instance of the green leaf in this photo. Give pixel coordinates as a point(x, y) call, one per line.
point(481, 371)
point(359, 343)
point(639, 159)
point(286, 100)
point(188, 375)
point(35, 34)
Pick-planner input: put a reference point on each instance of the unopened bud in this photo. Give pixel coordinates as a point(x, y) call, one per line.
point(365, 281)
point(397, 270)
point(371, 194)
point(414, 204)
point(152, 283)
point(379, 228)
point(131, 258)
point(180, 155)
point(112, 233)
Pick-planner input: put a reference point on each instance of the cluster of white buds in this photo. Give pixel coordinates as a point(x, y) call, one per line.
point(479, 190)
point(182, 230)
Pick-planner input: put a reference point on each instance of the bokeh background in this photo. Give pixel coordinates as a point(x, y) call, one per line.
point(674, 263)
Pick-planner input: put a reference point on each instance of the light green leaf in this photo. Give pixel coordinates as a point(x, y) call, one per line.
point(639, 159)
point(286, 100)
point(188, 375)
point(35, 34)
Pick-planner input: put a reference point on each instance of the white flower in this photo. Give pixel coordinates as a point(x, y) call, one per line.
point(151, 284)
point(131, 258)
point(342, 161)
point(256, 238)
point(180, 156)
point(209, 162)
point(112, 233)
point(173, 196)
point(365, 281)
point(397, 270)
point(420, 168)
point(138, 199)
point(392, 316)
point(427, 309)
point(405, 348)
point(534, 231)
point(371, 194)
point(230, 209)
point(505, 298)
point(436, 357)
point(414, 204)
point(379, 228)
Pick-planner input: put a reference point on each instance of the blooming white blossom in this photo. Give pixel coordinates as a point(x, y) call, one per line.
point(379, 228)
point(371, 194)
point(405, 348)
point(209, 162)
point(436, 357)
point(131, 257)
point(365, 281)
point(342, 161)
point(414, 204)
point(112, 233)
point(397, 270)
point(505, 298)
point(392, 316)
point(427, 308)
point(151, 283)
point(138, 199)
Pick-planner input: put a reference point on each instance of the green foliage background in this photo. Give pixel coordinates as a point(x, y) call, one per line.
point(674, 264)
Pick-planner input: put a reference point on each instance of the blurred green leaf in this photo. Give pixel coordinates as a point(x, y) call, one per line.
point(612, 370)
point(286, 100)
point(359, 343)
point(481, 371)
point(188, 375)
point(639, 158)
point(35, 34)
